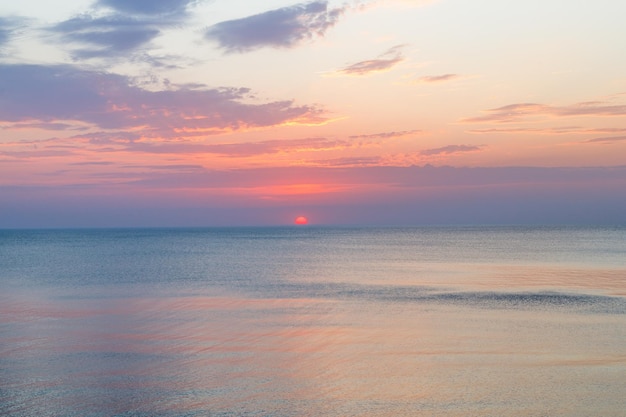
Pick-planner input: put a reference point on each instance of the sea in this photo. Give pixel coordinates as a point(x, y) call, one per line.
point(313, 321)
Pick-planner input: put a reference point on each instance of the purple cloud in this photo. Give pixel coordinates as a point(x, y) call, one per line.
point(5, 30)
point(48, 94)
point(281, 28)
point(384, 62)
point(106, 36)
point(132, 25)
point(8, 27)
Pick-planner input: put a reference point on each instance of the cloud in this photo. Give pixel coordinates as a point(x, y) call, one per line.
point(106, 36)
point(509, 113)
point(386, 135)
point(175, 167)
point(280, 28)
point(242, 150)
point(7, 28)
point(414, 3)
point(384, 62)
point(158, 8)
point(130, 26)
point(437, 78)
point(451, 149)
point(115, 142)
point(49, 94)
point(367, 4)
point(97, 163)
point(577, 130)
point(356, 161)
point(520, 111)
point(42, 126)
point(607, 140)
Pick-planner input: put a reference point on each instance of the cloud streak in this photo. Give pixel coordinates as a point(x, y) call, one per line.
point(383, 62)
point(106, 36)
point(61, 93)
point(42, 126)
point(607, 140)
point(280, 28)
point(242, 150)
point(5, 30)
point(387, 135)
point(550, 131)
point(131, 26)
point(109, 143)
point(430, 79)
point(451, 149)
point(521, 111)
point(152, 8)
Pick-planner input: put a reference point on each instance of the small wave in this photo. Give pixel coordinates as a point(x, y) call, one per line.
point(592, 303)
point(528, 300)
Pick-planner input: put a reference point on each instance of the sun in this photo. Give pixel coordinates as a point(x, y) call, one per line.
point(301, 220)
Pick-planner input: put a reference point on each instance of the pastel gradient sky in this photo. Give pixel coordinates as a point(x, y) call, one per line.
point(240, 112)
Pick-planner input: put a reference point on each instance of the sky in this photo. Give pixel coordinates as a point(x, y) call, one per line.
point(122, 113)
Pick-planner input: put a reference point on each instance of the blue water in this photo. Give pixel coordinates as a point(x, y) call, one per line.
point(309, 321)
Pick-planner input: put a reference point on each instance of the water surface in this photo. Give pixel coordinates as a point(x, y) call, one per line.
point(490, 321)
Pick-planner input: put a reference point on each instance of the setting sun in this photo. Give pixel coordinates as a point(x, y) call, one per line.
point(301, 220)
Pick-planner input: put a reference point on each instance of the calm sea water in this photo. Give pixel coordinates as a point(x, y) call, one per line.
point(475, 321)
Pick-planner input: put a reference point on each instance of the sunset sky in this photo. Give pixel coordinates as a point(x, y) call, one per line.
point(240, 112)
